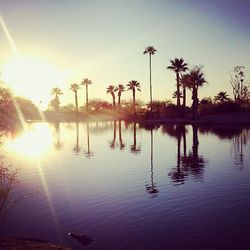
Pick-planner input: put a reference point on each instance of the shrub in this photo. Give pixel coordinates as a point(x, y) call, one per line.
point(219, 108)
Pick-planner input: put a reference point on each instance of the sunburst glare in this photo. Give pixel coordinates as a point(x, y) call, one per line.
point(32, 143)
point(29, 76)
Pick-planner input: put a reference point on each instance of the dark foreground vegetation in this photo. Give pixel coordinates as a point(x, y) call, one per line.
point(7, 243)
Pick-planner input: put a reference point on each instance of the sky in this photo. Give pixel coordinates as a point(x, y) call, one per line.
point(54, 43)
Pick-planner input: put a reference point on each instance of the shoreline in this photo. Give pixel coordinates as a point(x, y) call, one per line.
point(232, 119)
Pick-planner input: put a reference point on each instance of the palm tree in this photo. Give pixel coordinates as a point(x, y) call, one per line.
point(176, 94)
point(178, 66)
point(75, 87)
point(134, 85)
point(151, 51)
point(56, 92)
point(221, 97)
point(86, 82)
point(193, 80)
point(120, 89)
point(111, 89)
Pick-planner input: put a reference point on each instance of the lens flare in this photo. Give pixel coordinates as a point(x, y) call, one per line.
point(32, 143)
point(21, 144)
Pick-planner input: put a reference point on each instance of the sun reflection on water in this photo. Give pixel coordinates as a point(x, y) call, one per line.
point(32, 143)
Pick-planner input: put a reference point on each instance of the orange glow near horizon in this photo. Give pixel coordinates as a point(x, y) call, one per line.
point(32, 78)
point(31, 143)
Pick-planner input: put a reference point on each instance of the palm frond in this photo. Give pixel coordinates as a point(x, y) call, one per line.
point(86, 81)
point(74, 87)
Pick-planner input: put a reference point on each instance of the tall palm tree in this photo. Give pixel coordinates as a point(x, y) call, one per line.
point(75, 87)
point(178, 65)
point(134, 85)
point(151, 51)
point(120, 88)
point(111, 89)
point(56, 92)
point(193, 80)
point(86, 82)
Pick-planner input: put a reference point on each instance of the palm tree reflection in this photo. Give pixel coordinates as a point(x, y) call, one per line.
point(112, 143)
point(177, 131)
point(122, 145)
point(151, 188)
point(187, 164)
point(194, 163)
point(88, 153)
point(135, 148)
point(76, 148)
point(239, 142)
point(58, 145)
point(236, 134)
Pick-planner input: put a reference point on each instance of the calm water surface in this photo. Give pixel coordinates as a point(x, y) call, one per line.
point(129, 187)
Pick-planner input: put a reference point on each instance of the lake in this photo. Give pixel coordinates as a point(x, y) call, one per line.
point(129, 186)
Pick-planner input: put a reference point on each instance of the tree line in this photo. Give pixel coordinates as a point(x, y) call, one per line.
point(186, 79)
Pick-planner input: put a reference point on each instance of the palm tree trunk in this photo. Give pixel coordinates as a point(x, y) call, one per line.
point(178, 88)
point(87, 99)
point(184, 97)
point(57, 103)
point(113, 96)
point(195, 103)
point(119, 102)
point(76, 101)
point(150, 81)
point(134, 100)
point(114, 132)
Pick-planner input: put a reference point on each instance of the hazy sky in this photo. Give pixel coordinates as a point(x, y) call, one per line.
point(104, 41)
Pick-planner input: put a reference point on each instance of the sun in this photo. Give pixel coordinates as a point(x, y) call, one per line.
point(32, 78)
